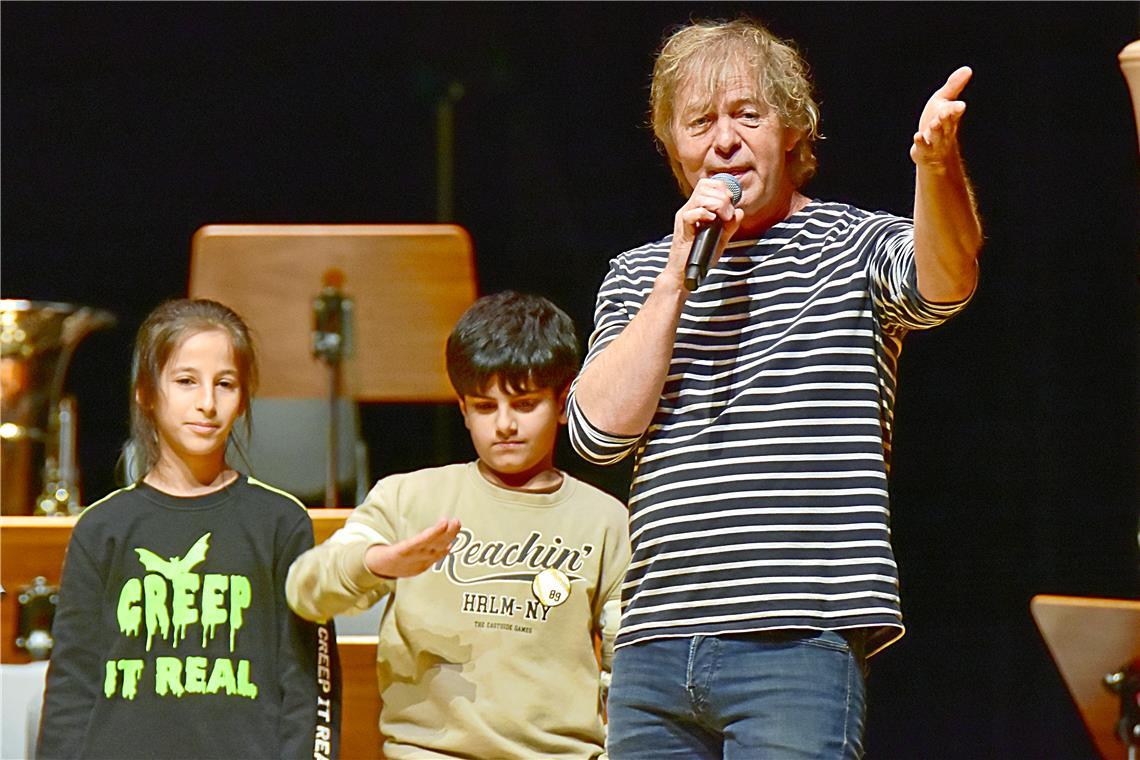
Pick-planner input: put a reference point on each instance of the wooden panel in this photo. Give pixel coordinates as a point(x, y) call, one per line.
point(326, 521)
point(409, 284)
point(360, 700)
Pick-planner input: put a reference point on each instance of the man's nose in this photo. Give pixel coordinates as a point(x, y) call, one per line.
point(725, 137)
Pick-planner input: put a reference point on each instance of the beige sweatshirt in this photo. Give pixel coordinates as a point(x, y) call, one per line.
point(489, 653)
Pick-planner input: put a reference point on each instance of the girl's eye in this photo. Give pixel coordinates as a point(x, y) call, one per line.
point(184, 380)
point(227, 384)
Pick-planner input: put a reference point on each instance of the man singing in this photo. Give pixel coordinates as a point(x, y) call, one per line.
point(759, 409)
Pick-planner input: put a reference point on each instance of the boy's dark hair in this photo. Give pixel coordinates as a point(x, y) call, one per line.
point(523, 341)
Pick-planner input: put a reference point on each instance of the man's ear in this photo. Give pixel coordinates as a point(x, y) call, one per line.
point(792, 139)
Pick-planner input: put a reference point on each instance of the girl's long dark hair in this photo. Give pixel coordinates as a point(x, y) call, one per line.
point(158, 338)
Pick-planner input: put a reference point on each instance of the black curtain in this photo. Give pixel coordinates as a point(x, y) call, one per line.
point(127, 126)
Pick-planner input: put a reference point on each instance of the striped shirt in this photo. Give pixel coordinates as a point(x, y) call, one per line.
point(759, 493)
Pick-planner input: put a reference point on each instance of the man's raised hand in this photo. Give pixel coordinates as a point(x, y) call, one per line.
point(937, 137)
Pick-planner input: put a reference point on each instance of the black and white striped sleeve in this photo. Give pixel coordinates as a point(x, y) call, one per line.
point(611, 315)
point(888, 244)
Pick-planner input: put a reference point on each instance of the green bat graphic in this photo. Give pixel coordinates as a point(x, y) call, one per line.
point(175, 566)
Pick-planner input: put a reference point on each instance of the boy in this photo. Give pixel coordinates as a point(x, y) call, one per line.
point(500, 571)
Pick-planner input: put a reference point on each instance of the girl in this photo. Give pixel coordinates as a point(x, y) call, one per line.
point(172, 635)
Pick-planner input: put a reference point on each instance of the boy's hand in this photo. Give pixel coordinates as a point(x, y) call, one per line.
point(412, 555)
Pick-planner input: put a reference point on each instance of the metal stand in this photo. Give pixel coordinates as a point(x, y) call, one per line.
point(1088, 639)
point(1126, 684)
point(332, 343)
point(332, 493)
point(445, 152)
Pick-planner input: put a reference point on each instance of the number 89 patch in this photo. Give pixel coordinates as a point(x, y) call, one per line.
point(551, 587)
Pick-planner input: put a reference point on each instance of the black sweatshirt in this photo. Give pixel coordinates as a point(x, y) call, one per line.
point(173, 638)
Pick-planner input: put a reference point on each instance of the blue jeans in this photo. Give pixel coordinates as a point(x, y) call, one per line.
point(753, 696)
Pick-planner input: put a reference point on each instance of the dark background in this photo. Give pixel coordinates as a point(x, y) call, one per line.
point(128, 126)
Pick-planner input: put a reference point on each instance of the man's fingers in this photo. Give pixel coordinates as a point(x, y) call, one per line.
point(942, 124)
point(955, 83)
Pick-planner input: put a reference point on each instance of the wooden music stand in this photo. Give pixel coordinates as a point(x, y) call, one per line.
point(409, 282)
point(408, 285)
point(1089, 639)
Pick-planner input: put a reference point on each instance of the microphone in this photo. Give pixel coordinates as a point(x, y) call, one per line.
point(707, 239)
point(332, 319)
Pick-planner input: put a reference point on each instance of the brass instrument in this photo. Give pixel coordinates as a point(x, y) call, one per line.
point(40, 474)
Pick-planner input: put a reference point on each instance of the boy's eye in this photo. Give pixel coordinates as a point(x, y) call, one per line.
point(526, 405)
point(484, 408)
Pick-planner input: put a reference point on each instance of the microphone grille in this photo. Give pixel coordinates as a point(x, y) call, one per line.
point(732, 184)
point(332, 278)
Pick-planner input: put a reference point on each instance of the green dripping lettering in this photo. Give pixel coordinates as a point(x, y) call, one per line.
point(129, 612)
point(222, 678)
point(156, 615)
point(183, 611)
point(240, 596)
point(132, 672)
point(196, 675)
point(245, 687)
point(213, 605)
point(168, 676)
point(110, 680)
